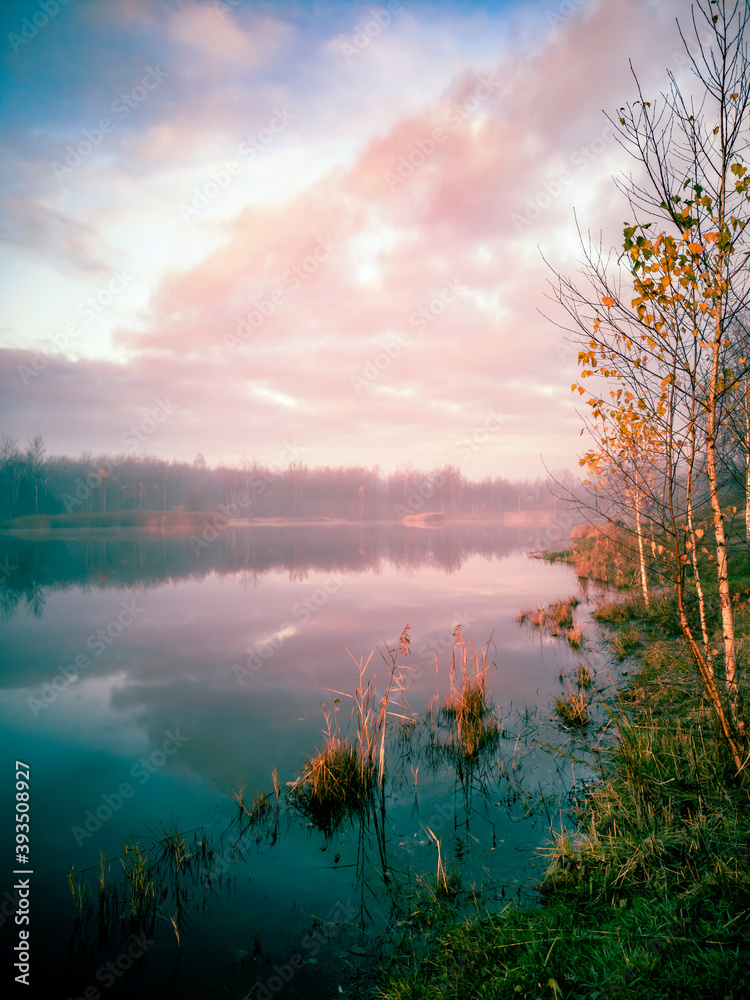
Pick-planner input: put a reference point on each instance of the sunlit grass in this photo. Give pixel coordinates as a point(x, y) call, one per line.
point(345, 775)
point(583, 676)
point(334, 783)
point(572, 708)
point(473, 724)
point(649, 898)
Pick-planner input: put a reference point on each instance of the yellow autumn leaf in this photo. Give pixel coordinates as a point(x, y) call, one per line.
point(608, 301)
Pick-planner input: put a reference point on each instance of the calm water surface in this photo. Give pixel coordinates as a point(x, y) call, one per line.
point(145, 678)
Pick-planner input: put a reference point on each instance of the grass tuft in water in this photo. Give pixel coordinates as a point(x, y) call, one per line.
point(347, 776)
point(333, 785)
point(79, 889)
point(466, 708)
point(583, 677)
point(576, 637)
point(572, 708)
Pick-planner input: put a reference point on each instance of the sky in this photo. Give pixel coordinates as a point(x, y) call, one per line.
point(316, 232)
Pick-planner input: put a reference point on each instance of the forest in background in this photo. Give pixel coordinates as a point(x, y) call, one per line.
point(31, 482)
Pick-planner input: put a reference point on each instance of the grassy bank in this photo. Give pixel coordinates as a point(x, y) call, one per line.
point(650, 898)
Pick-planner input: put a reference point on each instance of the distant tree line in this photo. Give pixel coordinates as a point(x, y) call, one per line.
point(31, 482)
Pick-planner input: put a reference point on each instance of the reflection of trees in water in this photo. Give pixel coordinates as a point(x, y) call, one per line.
point(9, 599)
point(33, 567)
point(20, 581)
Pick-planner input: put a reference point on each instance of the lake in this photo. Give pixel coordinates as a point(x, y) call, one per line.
point(145, 678)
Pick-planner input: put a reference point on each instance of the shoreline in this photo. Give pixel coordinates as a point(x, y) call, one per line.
point(650, 897)
point(180, 524)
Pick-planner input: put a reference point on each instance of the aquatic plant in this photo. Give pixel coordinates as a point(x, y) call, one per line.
point(583, 676)
point(561, 612)
point(473, 724)
point(79, 890)
point(556, 618)
point(576, 637)
point(572, 708)
point(625, 641)
point(146, 881)
point(346, 776)
point(334, 784)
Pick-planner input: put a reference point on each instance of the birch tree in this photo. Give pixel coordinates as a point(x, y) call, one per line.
point(656, 322)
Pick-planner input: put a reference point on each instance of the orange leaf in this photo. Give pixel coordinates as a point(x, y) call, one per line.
point(608, 301)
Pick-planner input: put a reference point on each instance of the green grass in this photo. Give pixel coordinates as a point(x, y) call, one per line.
point(642, 951)
point(556, 617)
point(555, 555)
point(561, 612)
point(472, 723)
point(614, 612)
point(650, 897)
point(334, 784)
point(572, 707)
point(583, 677)
point(624, 642)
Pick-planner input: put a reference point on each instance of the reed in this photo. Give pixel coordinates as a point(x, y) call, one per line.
point(139, 880)
point(175, 922)
point(524, 616)
point(556, 617)
point(79, 890)
point(649, 897)
point(445, 885)
point(536, 617)
point(576, 637)
point(614, 612)
point(572, 708)
point(583, 677)
point(473, 724)
point(333, 785)
point(148, 883)
point(561, 612)
point(346, 777)
point(256, 811)
point(625, 641)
